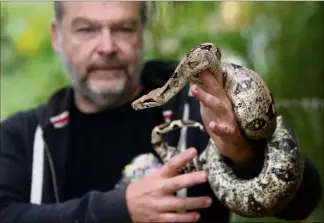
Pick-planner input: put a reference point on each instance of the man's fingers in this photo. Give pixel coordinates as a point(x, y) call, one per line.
point(206, 98)
point(172, 203)
point(172, 167)
point(221, 130)
point(184, 181)
point(180, 217)
point(210, 83)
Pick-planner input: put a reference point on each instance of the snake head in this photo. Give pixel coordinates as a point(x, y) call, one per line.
point(145, 102)
point(212, 48)
point(208, 51)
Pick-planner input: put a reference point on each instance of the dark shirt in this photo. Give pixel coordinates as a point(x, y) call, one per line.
point(103, 143)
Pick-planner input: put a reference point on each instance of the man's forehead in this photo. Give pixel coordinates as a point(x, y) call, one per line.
point(104, 11)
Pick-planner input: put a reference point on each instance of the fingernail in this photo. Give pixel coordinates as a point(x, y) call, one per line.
point(208, 202)
point(204, 176)
point(212, 125)
point(192, 151)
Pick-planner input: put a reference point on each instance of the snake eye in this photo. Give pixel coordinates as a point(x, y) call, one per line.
point(206, 47)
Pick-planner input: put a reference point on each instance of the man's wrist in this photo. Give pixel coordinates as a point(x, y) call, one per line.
point(242, 154)
point(239, 151)
point(248, 168)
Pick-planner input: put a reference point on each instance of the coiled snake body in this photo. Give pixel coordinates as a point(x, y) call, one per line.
point(256, 115)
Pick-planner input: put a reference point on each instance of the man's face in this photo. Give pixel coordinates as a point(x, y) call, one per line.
point(101, 46)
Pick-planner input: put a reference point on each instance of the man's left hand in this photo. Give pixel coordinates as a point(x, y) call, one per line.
point(219, 119)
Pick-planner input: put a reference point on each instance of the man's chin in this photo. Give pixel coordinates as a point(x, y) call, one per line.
point(107, 88)
point(103, 99)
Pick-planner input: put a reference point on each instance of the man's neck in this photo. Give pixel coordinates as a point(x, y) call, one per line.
point(87, 106)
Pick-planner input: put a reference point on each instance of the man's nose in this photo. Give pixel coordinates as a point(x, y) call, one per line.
point(107, 44)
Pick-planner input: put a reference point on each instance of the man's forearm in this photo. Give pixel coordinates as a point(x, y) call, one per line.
point(93, 207)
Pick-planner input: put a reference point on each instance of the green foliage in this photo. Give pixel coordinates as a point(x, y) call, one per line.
point(282, 41)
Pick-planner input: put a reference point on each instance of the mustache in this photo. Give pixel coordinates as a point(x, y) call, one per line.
point(100, 65)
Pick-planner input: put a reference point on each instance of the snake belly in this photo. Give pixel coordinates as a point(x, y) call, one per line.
point(256, 115)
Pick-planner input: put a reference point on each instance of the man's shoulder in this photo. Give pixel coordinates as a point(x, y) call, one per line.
point(19, 125)
point(32, 116)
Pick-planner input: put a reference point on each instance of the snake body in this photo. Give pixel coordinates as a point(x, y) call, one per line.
point(254, 107)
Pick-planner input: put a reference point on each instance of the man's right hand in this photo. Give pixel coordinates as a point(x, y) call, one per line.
point(152, 198)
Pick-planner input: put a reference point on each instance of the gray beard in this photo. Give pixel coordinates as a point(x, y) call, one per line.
point(100, 99)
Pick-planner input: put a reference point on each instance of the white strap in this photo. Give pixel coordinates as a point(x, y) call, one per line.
point(182, 144)
point(38, 166)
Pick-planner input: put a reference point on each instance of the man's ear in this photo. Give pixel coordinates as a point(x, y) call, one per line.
point(55, 36)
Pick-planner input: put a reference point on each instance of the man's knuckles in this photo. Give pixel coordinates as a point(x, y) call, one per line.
point(190, 179)
point(191, 203)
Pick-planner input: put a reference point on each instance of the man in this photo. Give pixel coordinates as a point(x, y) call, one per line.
point(62, 161)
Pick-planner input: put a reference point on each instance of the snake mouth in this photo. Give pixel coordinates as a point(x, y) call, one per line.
point(138, 105)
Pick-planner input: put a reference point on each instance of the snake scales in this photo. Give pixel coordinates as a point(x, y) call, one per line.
point(256, 115)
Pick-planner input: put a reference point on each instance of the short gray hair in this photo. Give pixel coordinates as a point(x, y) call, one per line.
point(58, 10)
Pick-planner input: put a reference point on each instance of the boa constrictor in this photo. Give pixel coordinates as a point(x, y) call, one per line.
point(256, 115)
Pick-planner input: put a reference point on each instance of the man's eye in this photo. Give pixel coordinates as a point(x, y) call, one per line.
point(126, 29)
point(86, 29)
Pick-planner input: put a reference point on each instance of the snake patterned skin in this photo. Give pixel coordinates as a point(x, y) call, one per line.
point(255, 111)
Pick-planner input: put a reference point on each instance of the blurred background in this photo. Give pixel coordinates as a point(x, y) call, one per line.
point(282, 41)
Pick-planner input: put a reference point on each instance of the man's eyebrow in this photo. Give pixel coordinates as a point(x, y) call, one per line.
point(125, 22)
point(132, 22)
point(79, 20)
